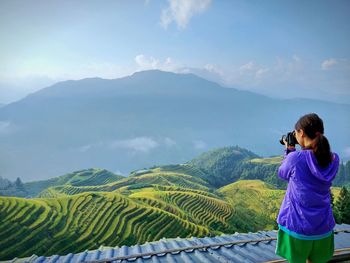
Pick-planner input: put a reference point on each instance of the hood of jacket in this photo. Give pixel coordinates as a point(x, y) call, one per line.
point(326, 174)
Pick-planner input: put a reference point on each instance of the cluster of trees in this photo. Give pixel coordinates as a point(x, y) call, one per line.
point(5, 183)
point(343, 175)
point(341, 208)
point(226, 165)
point(229, 164)
point(8, 188)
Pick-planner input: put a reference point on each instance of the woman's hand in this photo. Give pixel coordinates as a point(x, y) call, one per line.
point(288, 146)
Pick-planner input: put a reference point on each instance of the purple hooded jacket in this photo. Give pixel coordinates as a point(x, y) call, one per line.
point(306, 208)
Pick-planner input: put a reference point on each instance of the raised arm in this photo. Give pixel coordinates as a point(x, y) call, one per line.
point(287, 167)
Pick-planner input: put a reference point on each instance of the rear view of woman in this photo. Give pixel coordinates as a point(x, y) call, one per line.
point(305, 218)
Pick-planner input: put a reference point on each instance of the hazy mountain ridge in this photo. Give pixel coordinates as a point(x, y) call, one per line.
point(148, 118)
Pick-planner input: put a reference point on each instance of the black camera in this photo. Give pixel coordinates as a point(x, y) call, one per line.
point(290, 138)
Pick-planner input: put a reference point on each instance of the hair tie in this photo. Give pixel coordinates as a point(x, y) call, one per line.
point(318, 133)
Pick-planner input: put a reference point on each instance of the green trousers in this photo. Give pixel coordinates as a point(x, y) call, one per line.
point(298, 250)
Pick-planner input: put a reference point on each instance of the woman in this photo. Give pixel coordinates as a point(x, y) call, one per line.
point(305, 218)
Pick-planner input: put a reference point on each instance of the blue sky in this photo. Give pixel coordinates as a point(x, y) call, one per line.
point(282, 49)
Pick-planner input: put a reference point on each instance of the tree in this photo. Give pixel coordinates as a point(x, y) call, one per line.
point(347, 172)
point(4, 183)
point(19, 184)
point(332, 199)
point(340, 178)
point(343, 206)
point(335, 209)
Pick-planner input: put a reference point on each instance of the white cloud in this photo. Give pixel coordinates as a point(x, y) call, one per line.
point(296, 58)
point(119, 172)
point(281, 73)
point(181, 11)
point(142, 144)
point(145, 62)
point(247, 67)
point(214, 69)
point(253, 70)
point(169, 142)
point(85, 148)
point(148, 62)
point(329, 63)
point(199, 145)
point(138, 144)
point(261, 72)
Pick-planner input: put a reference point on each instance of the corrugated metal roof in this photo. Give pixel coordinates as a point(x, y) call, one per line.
point(249, 247)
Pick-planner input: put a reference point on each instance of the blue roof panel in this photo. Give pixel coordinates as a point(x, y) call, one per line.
point(245, 247)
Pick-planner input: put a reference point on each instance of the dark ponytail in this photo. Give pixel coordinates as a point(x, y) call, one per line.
point(312, 125)
point(322, 151)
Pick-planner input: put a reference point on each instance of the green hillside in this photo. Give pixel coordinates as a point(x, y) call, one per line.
point(258, 198)
point(219, 165)
point(226, 165)
point(154, 176)
point(87, 177)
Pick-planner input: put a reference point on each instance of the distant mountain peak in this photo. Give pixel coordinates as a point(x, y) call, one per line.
point(156, 73)
point(152, 71)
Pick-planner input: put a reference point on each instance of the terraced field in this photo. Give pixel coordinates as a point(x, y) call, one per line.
point(184, 169)
point(154, 177)
point(272, 160)
point(63, 190)
point(87, 177)
point(196, 207)
point(132, 214)
point(92, 177)
point(85, 221)
point(257, 197)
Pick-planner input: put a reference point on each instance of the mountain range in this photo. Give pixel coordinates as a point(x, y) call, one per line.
point(209, 170)
point(148, 118)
